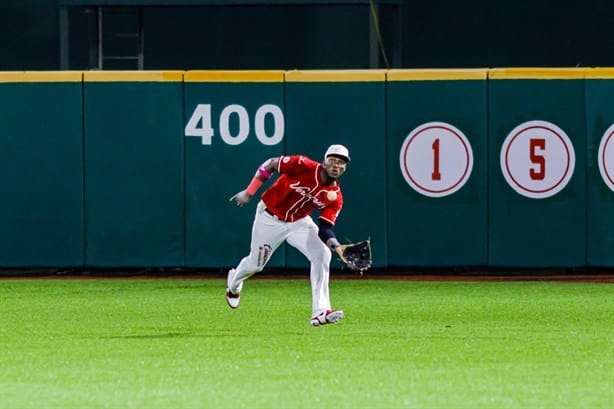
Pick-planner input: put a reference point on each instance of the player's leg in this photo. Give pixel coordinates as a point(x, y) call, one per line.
point(303, 235)
point(267, 235)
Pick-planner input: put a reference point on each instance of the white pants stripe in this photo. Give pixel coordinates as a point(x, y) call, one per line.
point(268, 233)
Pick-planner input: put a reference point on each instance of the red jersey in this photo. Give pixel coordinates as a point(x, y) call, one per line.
point(300, 190)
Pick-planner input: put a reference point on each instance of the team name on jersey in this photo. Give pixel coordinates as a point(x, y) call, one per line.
point(304, 192)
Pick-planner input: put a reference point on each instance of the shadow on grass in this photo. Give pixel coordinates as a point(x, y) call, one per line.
point(170, 335)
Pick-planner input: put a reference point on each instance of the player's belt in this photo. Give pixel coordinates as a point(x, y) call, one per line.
point(271, 213)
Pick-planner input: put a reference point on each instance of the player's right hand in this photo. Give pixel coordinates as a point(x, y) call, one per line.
point(241, 198)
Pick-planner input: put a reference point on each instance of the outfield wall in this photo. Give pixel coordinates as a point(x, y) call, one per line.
point(499, 167)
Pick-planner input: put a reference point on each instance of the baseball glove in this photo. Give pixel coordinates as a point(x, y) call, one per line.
point(357, 256)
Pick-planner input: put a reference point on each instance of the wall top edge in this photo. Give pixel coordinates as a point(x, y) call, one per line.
point(280, 76)
point(41, 76)
point(335, 75)
point(132, 76)
point(233, 76)
point(599, 72)
point(537, 73)
point(437, 74)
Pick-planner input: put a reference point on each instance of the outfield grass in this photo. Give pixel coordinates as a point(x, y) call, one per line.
point(173, 343)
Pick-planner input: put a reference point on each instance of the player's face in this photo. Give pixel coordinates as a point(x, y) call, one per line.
point(334, 166)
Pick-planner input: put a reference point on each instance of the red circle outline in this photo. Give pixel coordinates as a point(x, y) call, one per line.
point(510, 173)
point(405, 159)
point(605, 168)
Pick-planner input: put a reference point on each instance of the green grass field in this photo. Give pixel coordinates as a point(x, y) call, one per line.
point(174, 343)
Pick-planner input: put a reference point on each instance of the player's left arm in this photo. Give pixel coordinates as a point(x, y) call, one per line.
point(263, 173)
point(357, 256)
point(327, 234)
point(327, 220)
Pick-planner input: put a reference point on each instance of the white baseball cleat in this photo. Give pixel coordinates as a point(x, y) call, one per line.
point(327, 317)
point(232, 299)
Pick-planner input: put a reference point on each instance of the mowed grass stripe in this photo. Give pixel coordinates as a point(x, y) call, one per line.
point(100, 343)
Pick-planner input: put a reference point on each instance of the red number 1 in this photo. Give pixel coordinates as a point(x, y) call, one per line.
point(436, 175)
point(539, 160)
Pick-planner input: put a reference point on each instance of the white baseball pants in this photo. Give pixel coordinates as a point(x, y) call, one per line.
point(268, 233)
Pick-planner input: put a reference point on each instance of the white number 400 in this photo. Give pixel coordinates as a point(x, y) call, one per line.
point(200, 124)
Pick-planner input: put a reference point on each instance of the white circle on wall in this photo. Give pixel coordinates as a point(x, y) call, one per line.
point(605, 157)
point(537, 159)
point(436, 159)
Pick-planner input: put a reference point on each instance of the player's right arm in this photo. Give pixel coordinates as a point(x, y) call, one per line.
point(263, 173)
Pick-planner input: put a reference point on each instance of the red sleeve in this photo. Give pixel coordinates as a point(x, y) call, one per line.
point(295, 164)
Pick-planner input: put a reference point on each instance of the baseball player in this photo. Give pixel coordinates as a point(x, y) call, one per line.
point(283, 213)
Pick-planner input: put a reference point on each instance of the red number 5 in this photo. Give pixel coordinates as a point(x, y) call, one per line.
point(539, 160)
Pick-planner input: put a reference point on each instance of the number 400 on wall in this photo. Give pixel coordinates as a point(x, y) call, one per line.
point(201, 124)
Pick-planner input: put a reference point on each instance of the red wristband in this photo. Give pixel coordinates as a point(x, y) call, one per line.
point(264, 173)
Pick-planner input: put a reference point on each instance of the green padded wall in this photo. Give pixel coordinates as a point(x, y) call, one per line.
point(232, 103)
point(600, 177)
point(346, 107)
point(436, 168)
point(135, 169)
point(134, 195)
point(41, 211)
point(545, 224)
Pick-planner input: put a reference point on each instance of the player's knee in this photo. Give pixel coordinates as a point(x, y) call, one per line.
point(258, 261)
point(327, 254)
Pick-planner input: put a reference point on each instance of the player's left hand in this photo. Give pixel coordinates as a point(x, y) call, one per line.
point(241, 198)
point(357, 256)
